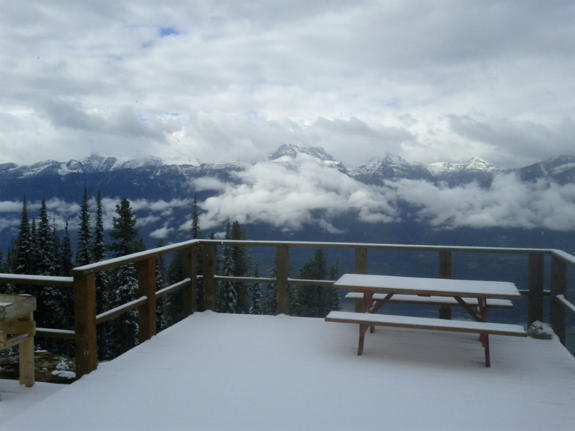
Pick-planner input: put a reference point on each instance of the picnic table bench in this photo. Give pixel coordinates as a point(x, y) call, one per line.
point(472, 295)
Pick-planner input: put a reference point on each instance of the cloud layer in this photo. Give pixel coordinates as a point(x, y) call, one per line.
point(291, 196)
point(215, 81)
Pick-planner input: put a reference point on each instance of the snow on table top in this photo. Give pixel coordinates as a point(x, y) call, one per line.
point(243, 372)
point(431, 286)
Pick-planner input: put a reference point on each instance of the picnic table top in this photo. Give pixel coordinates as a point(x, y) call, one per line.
point(428, 286)
point(14, 306)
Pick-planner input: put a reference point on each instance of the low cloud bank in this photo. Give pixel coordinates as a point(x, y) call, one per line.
point(289, 196)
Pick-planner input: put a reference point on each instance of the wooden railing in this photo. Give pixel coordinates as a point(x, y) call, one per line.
point(84, 283)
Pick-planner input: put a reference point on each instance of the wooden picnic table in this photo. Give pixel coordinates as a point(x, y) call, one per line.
point(438, 287)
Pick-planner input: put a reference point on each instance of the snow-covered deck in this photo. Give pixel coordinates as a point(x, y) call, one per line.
point(233, 372)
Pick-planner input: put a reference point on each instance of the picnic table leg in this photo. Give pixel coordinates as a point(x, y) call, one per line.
point(482, 305)
point(26, 357)
point(362, 331)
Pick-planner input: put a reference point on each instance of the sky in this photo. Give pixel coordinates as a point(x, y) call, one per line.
point(218, 81)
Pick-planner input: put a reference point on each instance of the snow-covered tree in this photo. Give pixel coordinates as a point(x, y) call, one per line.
point(122, 333)
point(83, 249)
point(24, 244)
point(46, 263)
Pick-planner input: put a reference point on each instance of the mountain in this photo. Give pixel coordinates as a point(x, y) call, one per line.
point(559, 169)
point(92, 164)
point(391, 167)
point(345, 205)
point(292, 154)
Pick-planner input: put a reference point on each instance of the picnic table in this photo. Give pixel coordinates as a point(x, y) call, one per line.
point(17, 328)
point(460, 290)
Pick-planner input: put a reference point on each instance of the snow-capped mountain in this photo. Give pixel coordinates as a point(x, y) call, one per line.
point(474, 164)
point(92, 164)
point(290, 154)
point(391, 167)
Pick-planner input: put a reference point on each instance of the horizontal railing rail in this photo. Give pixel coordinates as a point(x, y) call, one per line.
point(84, 282)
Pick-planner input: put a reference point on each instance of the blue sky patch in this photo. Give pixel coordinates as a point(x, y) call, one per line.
point(168, 31)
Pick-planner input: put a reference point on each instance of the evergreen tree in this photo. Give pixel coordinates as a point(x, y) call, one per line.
point(257, 303)
point(122, 333)
point(195, 219)
point(240, 267)
point(23, 251)
point(124, 235)
point(83, 251)
point(98, 243)
point(164, 306)
point(46, 263)
point(98, 253)
point(65, 258)
point(34, 248)
point(313, 301)
point(227, 293)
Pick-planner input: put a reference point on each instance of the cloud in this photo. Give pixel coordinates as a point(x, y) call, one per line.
point(239, 80)
point(507, 203)
point(288, 196)
point(161, 233)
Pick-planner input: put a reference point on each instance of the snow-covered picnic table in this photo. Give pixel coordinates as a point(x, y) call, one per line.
point(460, 290)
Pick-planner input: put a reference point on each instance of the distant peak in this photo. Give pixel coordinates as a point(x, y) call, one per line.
point(474, 164)
point(293, 151)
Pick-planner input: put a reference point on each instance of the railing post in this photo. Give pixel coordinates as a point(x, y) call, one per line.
point(360, 267)
point(189, 258)
point(535, 304)
point(360, 257)
point(282, 275)
point(558, 287)
point(147, 287)
point(208, 281)
point(445, 264)
point(85, 323)
point(445, 271)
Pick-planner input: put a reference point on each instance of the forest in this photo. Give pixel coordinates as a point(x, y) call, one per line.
point(39, 248)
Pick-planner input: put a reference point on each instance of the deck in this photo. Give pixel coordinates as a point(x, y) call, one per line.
point(223, 371)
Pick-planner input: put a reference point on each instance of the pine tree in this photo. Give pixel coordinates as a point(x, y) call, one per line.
point(164, 315)
point(83, 251)
point(45, 244)
point(65, 258)
point(23, 263)
point(98, 247)
point(195, 219)
point(257, 303)
point(240, 267)
point(124, 235)
point(227, 293)
point(98, 253)
point(122, 333)
point(313, 301)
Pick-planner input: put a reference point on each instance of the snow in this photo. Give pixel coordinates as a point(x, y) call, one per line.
point(473, 164)
point(433, 286)
point(426, 322)
point(244, 372)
